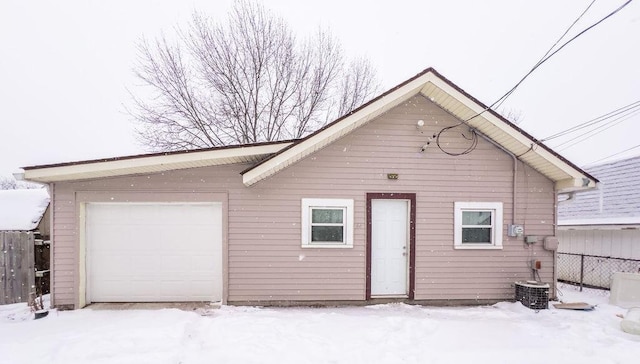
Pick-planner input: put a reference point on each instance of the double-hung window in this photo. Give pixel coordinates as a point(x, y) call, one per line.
point(478, 225)
point(327, 223)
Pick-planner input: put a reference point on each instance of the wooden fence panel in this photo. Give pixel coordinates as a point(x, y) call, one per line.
point(17, 273)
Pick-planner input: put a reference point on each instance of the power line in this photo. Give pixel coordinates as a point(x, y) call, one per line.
point(545, 58)
point(594, 121)
point(616, 154)
point(597, 130)
point(501, 100)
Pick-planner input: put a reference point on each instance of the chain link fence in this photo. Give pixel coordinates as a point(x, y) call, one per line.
point(591, 270)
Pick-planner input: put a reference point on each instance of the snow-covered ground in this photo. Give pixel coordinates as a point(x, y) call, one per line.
point(393, 333)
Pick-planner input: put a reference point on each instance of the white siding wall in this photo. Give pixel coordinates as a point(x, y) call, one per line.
point(606, 243)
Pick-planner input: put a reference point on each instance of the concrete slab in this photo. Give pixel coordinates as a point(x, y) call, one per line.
point(202, 308)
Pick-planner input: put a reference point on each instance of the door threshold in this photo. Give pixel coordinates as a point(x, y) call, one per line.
point(389, 296)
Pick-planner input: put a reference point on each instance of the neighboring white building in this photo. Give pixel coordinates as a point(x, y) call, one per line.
point(604, 221)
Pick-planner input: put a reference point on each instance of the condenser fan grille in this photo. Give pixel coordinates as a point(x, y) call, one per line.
point(534, 295)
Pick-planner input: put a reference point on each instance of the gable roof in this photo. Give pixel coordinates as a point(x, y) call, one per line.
point(153, 163)
point(566, 175)
point(276, 156)
point(21, 210)
point(615, 202)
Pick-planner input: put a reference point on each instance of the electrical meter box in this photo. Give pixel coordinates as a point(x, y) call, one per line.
point(516, 230)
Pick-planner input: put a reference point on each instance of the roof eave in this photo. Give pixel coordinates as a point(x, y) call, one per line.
point(337, 128)
point(153, 163)
point(631, 223)
point(566, 176)
point(575, 184)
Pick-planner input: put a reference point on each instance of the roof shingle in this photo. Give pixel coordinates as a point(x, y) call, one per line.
point(616, 198)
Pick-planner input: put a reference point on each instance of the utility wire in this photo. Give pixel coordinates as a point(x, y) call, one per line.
point(598, 130)
point(504, 97)
point(545, 58)
point(624, 109)
point(616, 154)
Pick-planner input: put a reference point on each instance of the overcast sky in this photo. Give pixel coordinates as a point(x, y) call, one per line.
point(65, 65)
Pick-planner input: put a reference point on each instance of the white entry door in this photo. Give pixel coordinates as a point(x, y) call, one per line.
point(389, 247)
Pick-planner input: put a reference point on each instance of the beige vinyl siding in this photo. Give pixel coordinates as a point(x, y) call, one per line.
point(64, 259)
point(265, 258)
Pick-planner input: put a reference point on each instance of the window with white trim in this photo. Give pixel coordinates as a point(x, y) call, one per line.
point(327, 223)
point(478, 225)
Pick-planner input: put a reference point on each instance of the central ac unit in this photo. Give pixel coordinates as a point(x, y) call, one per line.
point(533, 294)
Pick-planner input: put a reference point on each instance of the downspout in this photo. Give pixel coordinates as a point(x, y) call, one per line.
point(515, 175)
point(513, 214)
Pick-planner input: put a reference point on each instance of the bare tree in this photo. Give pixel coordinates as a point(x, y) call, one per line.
point(8, 182)
point(243, 81)
point(513, 115)
point(357, 85)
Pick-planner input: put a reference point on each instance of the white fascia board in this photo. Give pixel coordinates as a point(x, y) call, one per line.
point(157, 162)
point(623, 220)
point(575, 184)
point(486, 114)
point(358, 118)
point(513, 133)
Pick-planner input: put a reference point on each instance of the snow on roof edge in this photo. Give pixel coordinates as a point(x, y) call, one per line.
point(22, 210)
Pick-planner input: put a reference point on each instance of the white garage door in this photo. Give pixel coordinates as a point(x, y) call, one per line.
point(154, 252)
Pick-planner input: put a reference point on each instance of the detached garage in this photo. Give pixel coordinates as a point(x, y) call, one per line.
point(147, 246)
point(154, 252)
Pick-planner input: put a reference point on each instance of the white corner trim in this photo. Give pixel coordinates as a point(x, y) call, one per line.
point(83, 293)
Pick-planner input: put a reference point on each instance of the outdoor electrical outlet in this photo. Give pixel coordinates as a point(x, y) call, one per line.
point(536, 264)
